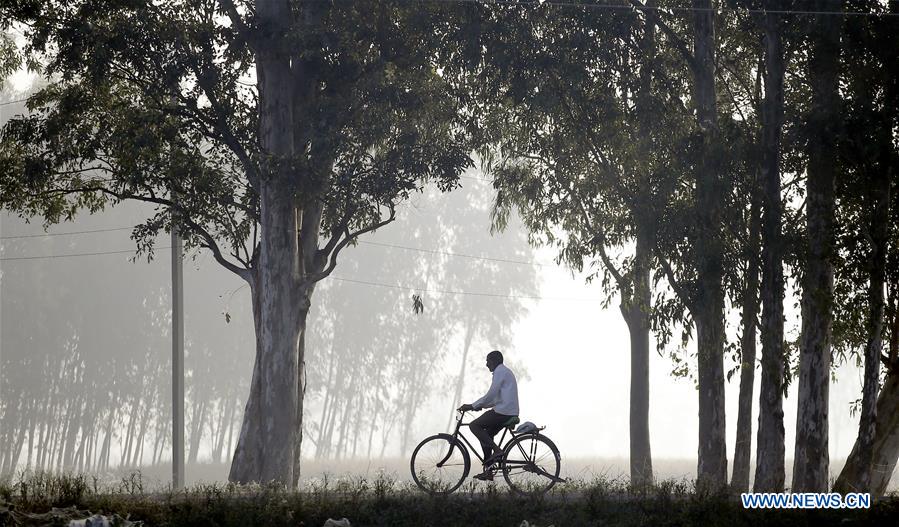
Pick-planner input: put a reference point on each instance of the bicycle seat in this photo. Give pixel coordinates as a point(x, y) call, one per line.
point(512, 421)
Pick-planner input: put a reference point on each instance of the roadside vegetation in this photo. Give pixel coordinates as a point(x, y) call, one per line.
point(385, 501)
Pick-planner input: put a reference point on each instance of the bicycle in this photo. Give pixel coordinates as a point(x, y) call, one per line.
point(530, 461)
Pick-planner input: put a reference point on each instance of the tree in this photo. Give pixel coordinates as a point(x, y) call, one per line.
point(769, 472)
point(278, 132)
point(866, 238)
point(578, 158)
point(811, 457)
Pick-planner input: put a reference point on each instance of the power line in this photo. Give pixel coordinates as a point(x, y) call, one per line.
point(7, 103)
point(72, 255)
point(461, 255)
point(463, 293)
point(477, 178)
point(378, 244)
point(63, 233)
point(349, 280)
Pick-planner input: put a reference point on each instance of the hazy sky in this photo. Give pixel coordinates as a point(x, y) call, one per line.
point(576, 353)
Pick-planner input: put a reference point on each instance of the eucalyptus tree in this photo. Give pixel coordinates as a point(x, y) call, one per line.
point(811, 456)
point(765, 28)
point(271, 134)
point(867, 239)
point(769, 472)
point(594, 148)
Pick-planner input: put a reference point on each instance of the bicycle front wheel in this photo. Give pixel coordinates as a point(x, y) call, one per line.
point(439, 464)
point(531, 465)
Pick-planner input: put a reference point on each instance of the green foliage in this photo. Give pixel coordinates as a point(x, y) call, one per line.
point(9, 56)
point(867, 153)
point(157, 103)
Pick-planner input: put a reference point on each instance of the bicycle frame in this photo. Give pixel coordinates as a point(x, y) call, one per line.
point(457, 434)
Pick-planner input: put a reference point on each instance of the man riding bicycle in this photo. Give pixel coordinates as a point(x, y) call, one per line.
point(502, 397)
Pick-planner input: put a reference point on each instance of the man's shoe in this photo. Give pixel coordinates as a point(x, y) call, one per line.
point(493, 458)
point(487, 475)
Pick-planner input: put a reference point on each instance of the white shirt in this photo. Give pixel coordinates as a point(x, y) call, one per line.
point(503, 393)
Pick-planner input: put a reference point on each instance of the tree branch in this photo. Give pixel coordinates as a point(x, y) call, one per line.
point(209, 240)
point(679, 44)
point(349, 237)
point(237, 21)
point(678, 288)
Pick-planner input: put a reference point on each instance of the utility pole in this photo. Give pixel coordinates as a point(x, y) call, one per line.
point(177, 362)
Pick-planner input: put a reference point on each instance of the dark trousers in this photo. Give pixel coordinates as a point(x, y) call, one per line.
point(485, 427)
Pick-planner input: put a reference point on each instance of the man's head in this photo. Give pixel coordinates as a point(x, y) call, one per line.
point(494, 359)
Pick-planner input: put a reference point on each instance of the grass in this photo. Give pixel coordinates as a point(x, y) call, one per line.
point(384, 501)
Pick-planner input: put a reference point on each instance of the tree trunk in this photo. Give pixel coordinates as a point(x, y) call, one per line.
point(301, 387)
point(886, 441)
point(635, 308)
point(885, 448)
point(326, 444)
point(376, 410)
point(743, 448)
point(320, 449)
point(157, 446)
point(460, 380)
point(770, 449)
point(41, 439)
point(812, 459)
point(129, 438)
point(196, 429)
point(343, 434)
point(107, 440)
point(234, 405)
point(141, 435)
point(226, 417)
point(75, 415)
point(709, 303)
point(31, 426)
point(357, 424)
point(857, 477)
point(874, 345)
point(271, 433)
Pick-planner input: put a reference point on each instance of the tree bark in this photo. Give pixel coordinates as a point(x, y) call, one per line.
point(636, 296)
point(301, 385)
point(743, 447)
point(103, 463)
point(769, 469)
point(884, 450)
point(196, 429)
point(271, 433)
point(857, 476)
point(636, 312)
point(709, 302)
point(812, 459)
point(470, 327)
point(129, 438)
point(326, 404)
point(376, 410)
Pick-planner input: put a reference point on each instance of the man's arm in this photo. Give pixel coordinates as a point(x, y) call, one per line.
point(487, 401)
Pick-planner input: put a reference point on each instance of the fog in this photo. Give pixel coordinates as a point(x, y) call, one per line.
point(85, 350)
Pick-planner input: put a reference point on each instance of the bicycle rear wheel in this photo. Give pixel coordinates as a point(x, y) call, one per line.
point(531, 464)
point(439, 464)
